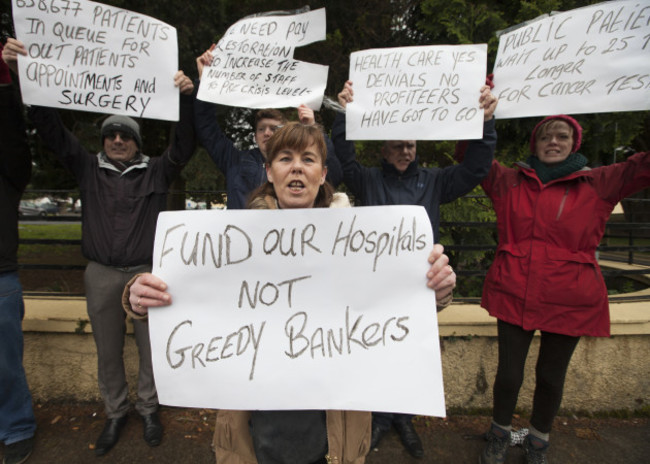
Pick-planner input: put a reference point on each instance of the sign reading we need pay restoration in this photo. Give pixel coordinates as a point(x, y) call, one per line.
point(88, 56)
point(297, 309)
point(253, 64)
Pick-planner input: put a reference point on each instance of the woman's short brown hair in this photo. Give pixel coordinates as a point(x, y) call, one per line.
point(298, 137)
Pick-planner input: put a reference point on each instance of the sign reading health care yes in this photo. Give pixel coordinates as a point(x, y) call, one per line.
point(93, 57)
point(297, 309)
point(253, 63)
point(419, 93)
point(589, 60)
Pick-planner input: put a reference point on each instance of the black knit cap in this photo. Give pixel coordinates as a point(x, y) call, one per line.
point(123, 124)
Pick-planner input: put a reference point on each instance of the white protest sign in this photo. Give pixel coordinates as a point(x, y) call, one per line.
point(589, 60)
point(93, 57)
point(253, 65)
point(297, 309)
point(417, 93)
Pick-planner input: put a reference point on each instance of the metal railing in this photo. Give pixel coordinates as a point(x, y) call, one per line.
point(635, 251)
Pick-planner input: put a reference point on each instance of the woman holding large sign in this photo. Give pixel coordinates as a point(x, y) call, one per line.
point(296, 173)
point(551, 215)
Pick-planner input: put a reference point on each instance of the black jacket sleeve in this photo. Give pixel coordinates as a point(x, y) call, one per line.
point(347, 157)
point(15, 157)
point(460, 179)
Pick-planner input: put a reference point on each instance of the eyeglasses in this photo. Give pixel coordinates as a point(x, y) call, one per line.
point(123, 136)
point(274, 128)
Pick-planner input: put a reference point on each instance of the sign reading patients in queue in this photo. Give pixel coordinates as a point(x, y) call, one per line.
point(295, 309)
point(590, 60)
point(253, 64)
point(93, 57)
point(417, 93)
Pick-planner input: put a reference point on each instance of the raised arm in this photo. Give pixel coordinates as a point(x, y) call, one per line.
point(183, 145)
point(15, 156)
point(460, 179)
point(353, 171)
point(221, 149)
point(334, 172)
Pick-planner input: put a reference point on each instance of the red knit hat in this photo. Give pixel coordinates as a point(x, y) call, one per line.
point(577, 131)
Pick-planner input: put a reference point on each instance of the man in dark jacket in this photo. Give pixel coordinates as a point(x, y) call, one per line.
point(400, 181)
point(122, 192)
point(244, 169)
point(17, 423)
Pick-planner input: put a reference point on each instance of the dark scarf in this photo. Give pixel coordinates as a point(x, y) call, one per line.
point(573, 163)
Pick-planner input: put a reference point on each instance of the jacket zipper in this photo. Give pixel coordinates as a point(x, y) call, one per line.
point(566, 194)
point(328, 457)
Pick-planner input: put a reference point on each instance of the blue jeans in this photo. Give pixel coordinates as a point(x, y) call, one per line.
point(16, 413)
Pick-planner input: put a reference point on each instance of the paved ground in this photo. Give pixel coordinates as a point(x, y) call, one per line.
point(66, 433)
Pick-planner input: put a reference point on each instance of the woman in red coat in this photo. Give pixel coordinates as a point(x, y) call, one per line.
point(551, 216)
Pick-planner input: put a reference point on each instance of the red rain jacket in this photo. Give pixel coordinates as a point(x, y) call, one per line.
point(545, 275)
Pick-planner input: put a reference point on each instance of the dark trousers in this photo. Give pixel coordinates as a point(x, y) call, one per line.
point(555, 352)
point(104, 287)
point(384, 420)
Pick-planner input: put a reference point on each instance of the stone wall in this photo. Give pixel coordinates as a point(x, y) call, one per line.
point(605, 373)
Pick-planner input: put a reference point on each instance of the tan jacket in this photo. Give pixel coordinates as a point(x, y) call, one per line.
point(348, 437)
point(348, 432)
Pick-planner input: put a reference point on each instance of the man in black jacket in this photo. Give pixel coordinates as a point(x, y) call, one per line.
point(122, 192)
point(17, 423)
point(400, 181)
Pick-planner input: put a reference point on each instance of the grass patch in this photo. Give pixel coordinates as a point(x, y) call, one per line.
point(50, 254)
point(50, 231)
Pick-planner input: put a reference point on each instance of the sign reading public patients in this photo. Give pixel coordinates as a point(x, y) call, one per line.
point(590, 60)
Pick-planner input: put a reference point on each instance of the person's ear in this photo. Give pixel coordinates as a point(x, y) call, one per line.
point(269, 176)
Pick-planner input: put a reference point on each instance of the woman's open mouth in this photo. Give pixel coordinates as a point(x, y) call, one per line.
point(296, 185)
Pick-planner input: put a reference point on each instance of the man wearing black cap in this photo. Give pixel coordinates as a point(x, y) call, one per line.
point(122, 192)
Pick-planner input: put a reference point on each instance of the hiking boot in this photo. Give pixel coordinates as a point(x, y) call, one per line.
point(18, 452)
point(497, 446)
point(517, 437)
point(535, 450)
point(409, 437)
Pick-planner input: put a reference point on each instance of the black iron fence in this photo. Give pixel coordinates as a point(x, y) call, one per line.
point(624, 242)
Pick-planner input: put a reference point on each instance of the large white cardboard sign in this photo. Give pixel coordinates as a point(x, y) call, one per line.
point(253, 64)
point(93, 57)
point(417, 93)
point(589, 60)
point(297, 309)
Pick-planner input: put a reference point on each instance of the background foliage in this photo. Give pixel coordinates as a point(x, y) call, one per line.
point(355, 26)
